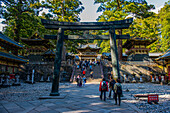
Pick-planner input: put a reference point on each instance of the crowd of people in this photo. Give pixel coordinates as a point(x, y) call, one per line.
point(83, 66)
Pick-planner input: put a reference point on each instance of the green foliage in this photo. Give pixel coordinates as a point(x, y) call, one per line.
point(147, 28)
point(15, 12)
point(164, 19)
point(120, 9)
point(65, 10)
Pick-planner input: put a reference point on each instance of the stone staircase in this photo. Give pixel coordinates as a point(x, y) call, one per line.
point(133, 67)
point(96, 73)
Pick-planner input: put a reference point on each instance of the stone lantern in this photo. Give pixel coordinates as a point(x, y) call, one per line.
point(6, 80)
point(48, 77)
point(152, 76)
point(162, 78)
point(133, 80)
point(17, 81)
point(157, 79)
point(2, 75)
point(140, 74)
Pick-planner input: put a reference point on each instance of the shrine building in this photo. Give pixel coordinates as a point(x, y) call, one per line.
point(166, 59)
point(37, 48)
point(88, 52)
point(137, 49)
point(9, 59)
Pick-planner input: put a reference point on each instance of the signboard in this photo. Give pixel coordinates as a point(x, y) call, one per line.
point(153, 98)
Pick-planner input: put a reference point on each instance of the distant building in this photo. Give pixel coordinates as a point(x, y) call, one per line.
point(88, 52)
point(37, 49)
point(166, 59)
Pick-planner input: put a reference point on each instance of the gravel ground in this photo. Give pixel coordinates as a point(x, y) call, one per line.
point(30, 92)
point(163, 105)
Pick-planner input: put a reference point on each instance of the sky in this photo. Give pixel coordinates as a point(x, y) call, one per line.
point(89, 14)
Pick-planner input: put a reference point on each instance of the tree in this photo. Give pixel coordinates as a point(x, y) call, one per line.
point(120, 9)
point(14, 12)
point(65, 10)
point(164, 20)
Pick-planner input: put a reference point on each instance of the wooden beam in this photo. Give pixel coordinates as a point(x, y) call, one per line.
point(86, 37)
point(121, 24)
point(122, 36)
point(125, 26)
point(53, 37)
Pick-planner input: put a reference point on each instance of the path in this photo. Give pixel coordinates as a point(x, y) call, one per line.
point(84, 99)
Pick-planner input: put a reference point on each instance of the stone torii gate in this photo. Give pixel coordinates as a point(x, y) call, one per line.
point(61, 26)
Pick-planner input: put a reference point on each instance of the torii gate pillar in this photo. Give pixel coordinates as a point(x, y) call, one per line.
point(57, 63)
point(114, 54)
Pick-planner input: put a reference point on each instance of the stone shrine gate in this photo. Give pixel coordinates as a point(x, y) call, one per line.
point(61, 26)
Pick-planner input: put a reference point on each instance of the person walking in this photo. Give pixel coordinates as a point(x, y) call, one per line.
point(118, 91)
point(103, 88)
point(80, 81)
point(84, 81)
point(77, 80)
point(91, 74)
point(111, 86)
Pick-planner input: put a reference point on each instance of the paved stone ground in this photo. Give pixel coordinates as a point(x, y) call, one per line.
point(78, 100)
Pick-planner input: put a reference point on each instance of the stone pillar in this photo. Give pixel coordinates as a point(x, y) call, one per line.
point(114, 54)
point(152, 77)
point(48, 78)
point(32, 77)
point(124, 75)
point(42, 78)
point(57, 63)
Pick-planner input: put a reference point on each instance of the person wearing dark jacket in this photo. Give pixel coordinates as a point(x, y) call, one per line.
point(103, 88)
point(111, 86)
point(118, 91)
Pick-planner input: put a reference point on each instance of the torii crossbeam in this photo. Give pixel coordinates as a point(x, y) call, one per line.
point(61, 26)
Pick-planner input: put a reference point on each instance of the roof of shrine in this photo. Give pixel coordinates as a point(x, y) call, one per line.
point(11, 56)
point(49, 52)
point(165, 55)
point(9, 40)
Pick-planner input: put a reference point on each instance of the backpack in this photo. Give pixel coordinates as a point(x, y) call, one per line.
point(84, 79)
point(104, 85)
point(119, 90)
point(112, 83)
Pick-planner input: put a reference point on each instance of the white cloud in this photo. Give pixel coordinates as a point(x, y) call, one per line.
point(157, 9)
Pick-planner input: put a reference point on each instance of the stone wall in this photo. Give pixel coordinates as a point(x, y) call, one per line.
point(44, 70)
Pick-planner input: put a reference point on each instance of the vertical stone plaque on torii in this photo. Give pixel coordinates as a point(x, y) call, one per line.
point(61, 26)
